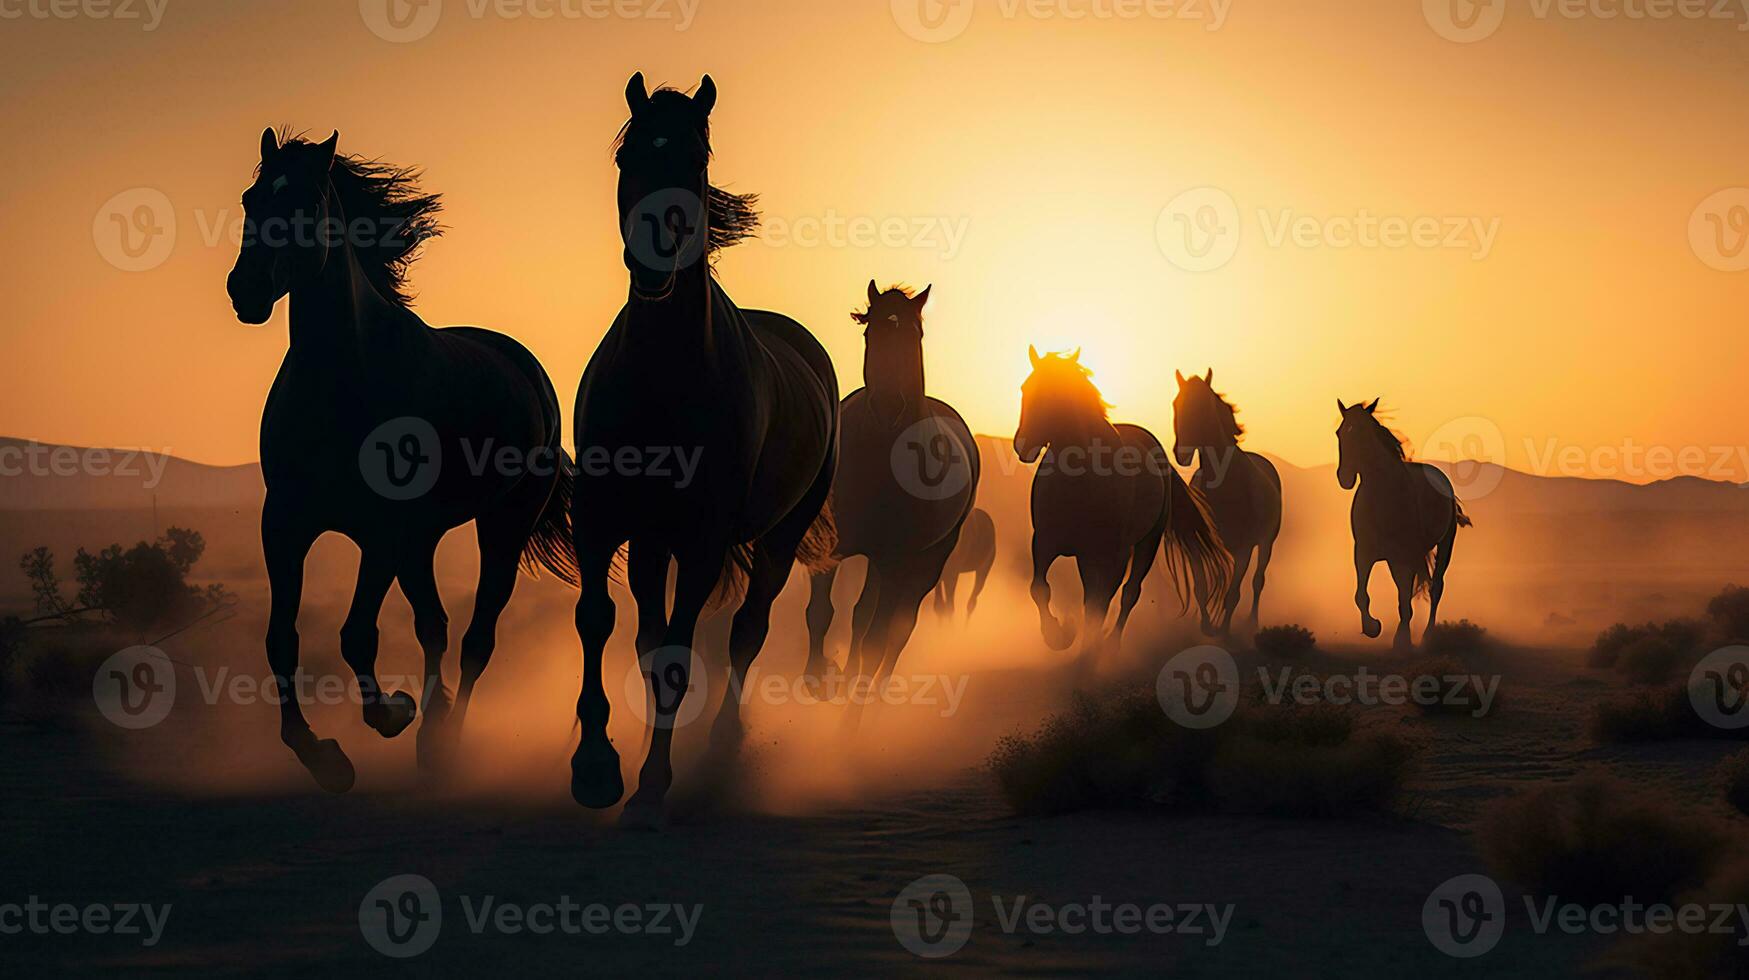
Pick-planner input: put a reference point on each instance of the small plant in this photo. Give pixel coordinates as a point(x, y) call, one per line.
point(1729, 611)
point(1460, 639)
point(1650, 659)
point(1648, 654)
point(1285, 642)
point(1451, 698)
point(1648, 716)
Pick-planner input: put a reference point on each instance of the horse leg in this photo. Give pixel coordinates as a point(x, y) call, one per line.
point(944, 595)
point(1363, 564)
point(908, 594)
point(1404, 575)
point(1099, 582)
point(771, 567)
point(285, 544)
point(1264, 552)
point(647, 576)
point(862, 621)
point(1141, 563)
point(979, 577)
point(595, 777)
point(1058, 635)
point(1199, 587)
point(388, 714)
point(1436, 588)
point(819, 624)
point(868, 640)
point(1235, 590)
point(431, 625)
point(670, 678)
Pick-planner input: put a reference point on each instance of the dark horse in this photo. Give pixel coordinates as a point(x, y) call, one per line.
point(975, 555)
point(1106, 495)
point(1405, 514)
point(375, 427)
point(751, 394)
point(907, 475)
point(1243, 489)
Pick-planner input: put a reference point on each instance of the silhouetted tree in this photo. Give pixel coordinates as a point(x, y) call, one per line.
point(139, 589)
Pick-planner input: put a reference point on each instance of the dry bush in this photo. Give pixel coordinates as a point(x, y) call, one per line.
point(1684, 637)
point(1729, 611)
point(1649, 660)
point(1460, 639)
point(1658, 715)
point(1683, 956)
point(1285, 642)
point(1597, 839)
point(1464, 700)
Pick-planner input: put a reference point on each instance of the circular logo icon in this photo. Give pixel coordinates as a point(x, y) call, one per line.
point(400, 21)
point(929, 460)
point(401, 458)
point(401, 916)
point(932, 21)
point(135, 231)
point(1199, 688)
point(1719, 687)
point(1718, 230)
point(135, 688)
point(932, 917)
point(1464, 21)
point(667, 687)
point(666, 231)
point(1476, 449)
point(1199, 230)
point(1465, 916)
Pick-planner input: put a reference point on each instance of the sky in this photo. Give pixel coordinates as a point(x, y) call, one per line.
point(1520, 224)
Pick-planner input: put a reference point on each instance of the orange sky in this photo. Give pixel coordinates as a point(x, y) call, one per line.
point(1033, 152)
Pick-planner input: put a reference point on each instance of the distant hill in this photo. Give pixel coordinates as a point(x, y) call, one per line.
point(39, 476)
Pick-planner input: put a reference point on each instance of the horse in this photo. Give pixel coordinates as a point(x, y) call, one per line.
point(1243, 489)
point(975, 555)
point(1106, 495)
point(750, 395)
point(908, 472)
point(1405, 514)
point(389, 432)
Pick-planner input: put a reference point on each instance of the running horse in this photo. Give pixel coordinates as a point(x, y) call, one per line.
point(907, 475)
point(750, 395)
point(975, 555)
point(375, 427)
point(1405, 514)
point(1243, 489)
point(1107, 496)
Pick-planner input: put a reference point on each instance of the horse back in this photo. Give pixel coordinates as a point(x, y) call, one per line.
point(890, 495)
point(1094, 502)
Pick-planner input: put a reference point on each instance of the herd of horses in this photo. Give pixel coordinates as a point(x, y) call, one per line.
point(787, 472)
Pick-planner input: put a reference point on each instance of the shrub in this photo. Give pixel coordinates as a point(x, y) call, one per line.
point(1729, 611)
point(1285, 642)
point(1464, 699)
point(1647, 716)
point(1682, 955)
point(1648, 660)
point(1647, 654)
point(1459, 639)
point(1597, 839)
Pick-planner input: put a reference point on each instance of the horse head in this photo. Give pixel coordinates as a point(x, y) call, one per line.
point(662, 156)
point(287, 230)
point(1357, 441)
point(892, 364)
point(1057, 400)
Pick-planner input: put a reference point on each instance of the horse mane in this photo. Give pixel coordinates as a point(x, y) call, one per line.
point(1394, 442)
point(733, 218)
point(1226, 416)
point(902, 290)
point(402, 216)
point(1063, 375)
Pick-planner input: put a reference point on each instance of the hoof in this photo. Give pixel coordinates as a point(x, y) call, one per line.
point(1058, 636)
point(1372, 628)
point(391, 715)
point(643, 815)
point(595, 779)
point(332, 769)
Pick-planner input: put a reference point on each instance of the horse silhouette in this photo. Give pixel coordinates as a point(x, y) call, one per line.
point(752, 394)
point(908, 472)
point(1106, 495)
point(1242, 488)
point(975, 555)
point(389, 432)
point(1405, 514)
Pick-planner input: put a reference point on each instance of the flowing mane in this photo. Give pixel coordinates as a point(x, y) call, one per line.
point(399, 215)
point(1220, 411)
point(1063, 378)
point(900, 291)
point(1395, 444)
point(734, 218)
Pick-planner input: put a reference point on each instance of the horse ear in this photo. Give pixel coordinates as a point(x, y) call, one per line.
point(1210, 379)
point(706, 98)
point(637, 96)
point(1341, 407)
point(874, 292)
point(922, 299)
point(1370, 409)
point(326, 151)
point(1075, 358)
point(1032, 352)
point(1180, 378)
point(269, 144)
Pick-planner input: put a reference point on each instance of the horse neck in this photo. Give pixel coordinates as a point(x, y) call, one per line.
point(1086, 431)
point(895, 382)
point(1382, 472)
point(340, 317)
point(692, 324)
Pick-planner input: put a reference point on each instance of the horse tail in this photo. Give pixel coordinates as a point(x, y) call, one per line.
point(1194, 549)
point(1463, 519)
point(551, 545)
point(818, 550)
